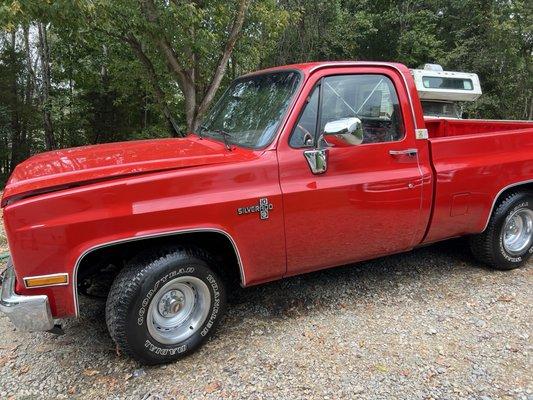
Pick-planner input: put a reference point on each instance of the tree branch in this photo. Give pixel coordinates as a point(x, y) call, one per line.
point(44, 49)
point(150, 13)
point(136, 46)
point(185, 79)
point(223, 61)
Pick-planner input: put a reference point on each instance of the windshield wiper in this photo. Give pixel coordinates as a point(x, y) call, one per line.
point(200, 129)
point(225, 135)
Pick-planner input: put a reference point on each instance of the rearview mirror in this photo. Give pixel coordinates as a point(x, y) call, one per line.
point(344, 132)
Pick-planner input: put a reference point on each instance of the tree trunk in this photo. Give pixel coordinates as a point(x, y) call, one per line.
point(195, 107)
point(102, 123)
point(16, 156)
point(223, 61)
point(44, 53)
point(29, 94)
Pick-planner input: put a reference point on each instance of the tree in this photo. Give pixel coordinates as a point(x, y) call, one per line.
point(190, 43)
point(44, 53)
point(95, 71)
point(492, 38)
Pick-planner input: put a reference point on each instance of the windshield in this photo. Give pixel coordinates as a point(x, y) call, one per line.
point(249, 112)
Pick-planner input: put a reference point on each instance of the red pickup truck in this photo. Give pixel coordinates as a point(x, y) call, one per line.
point(295, 169)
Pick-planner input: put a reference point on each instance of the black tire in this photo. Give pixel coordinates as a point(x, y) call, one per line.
point(488, 247)
point(131, 294)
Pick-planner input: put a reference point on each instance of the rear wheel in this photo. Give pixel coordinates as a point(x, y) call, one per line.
point(164, 304)
point(507, 243)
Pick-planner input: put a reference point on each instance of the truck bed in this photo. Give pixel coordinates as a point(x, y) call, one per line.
point(474, 160)
point(443, 127)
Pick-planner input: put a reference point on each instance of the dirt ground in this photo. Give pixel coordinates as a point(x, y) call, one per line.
point(429, 324)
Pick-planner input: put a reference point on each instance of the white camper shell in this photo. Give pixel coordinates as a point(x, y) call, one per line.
point(441, 91)
point(434, 84)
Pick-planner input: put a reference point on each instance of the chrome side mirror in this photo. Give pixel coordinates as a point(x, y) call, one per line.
point(344, 132)
point(317, 160)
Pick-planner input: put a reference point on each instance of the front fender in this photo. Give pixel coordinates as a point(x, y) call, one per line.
point(51, 233)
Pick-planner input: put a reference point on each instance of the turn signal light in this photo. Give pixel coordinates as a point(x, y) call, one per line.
point(46, 280)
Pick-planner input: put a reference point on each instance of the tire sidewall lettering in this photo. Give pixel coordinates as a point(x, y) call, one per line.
point(214, 307)
point(163, 350)
point(505, 255)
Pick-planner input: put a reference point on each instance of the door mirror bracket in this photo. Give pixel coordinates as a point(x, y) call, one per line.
point(317, 159)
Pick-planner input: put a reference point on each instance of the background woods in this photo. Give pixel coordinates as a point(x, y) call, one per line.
point(93, 71)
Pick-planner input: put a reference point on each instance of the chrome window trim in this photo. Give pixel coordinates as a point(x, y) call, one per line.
point(151, 236)
point(498, 196)
point(46, 276)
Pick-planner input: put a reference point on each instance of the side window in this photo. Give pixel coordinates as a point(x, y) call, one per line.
point(371, 98)
point(304, 132)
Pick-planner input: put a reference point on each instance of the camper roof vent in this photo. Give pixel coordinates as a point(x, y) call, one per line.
point(433, 67)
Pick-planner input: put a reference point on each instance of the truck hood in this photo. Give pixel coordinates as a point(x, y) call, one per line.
point(66, 168)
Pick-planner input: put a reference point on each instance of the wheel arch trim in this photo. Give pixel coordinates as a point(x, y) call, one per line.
point(152, 236)
point(498, 196)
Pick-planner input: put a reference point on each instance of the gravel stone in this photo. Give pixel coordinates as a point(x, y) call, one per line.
point(429, 324)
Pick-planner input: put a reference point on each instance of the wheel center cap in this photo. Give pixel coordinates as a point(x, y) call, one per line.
point(175, 306)
point(171, 303)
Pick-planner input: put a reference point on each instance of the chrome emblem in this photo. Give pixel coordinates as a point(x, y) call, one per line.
point(262, 208)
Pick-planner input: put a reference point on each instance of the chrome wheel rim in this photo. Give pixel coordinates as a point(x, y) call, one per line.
point(178, 310)
point(517, 234)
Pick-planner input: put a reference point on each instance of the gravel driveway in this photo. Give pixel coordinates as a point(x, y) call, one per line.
point(430, 324)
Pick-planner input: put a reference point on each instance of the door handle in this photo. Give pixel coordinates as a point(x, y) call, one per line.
point(407, 152)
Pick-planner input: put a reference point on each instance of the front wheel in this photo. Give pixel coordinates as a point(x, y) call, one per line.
point(164, 304)
point(507, 243)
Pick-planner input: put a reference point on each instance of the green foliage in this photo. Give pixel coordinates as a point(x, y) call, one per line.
point(492, 38)
point(103, 90)
point(496, 43)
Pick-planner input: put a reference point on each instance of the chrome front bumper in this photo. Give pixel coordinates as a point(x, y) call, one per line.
point(27, 313)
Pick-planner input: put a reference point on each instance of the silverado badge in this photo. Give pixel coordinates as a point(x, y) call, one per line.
point(262, 208)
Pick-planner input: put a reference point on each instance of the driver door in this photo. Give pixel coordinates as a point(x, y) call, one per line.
point(368, 201)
